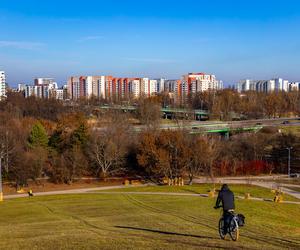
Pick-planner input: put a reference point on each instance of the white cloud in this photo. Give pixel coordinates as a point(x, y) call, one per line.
point(90, 38)
point(21, 45)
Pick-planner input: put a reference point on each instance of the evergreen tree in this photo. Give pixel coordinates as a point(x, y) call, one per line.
point(80, 135)
point(38, 136)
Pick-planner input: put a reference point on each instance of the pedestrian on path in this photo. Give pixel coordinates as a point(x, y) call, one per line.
point(30, 193)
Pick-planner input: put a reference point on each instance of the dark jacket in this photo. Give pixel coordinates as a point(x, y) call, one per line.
point(226, 197)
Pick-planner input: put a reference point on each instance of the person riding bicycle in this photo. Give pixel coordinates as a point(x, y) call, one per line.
point(226, 197)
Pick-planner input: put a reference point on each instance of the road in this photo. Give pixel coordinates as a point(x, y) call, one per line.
point(215, 125)
point(211, 125)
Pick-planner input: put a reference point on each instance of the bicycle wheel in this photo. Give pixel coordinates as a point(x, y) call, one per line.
point(221, 228)
point(234, 229)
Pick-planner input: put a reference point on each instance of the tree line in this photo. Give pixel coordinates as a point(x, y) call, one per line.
point(66, 144)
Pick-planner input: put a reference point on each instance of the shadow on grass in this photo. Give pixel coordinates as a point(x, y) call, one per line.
point(165, 232)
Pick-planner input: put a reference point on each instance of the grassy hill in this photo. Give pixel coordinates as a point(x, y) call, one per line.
point(238, 189)
point(137, 221)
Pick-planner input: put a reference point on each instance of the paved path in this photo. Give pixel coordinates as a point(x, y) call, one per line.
point(188, 194)
point(260, 183)
point(232, 180)
point(69, 191)
point(102, 189)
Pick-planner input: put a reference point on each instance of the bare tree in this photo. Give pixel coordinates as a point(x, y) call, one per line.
point(197, 161)
point(149, 111)
point(108, 147)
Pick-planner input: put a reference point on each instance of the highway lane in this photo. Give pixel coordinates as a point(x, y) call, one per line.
point(215, 125)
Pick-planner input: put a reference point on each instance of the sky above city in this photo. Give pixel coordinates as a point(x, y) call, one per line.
point(232, 39)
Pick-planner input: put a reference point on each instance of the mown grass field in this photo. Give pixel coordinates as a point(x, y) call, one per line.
point(238, 189)
point(290, 129)
point(137, 221)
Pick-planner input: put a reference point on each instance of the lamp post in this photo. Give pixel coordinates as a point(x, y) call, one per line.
point(289, 161)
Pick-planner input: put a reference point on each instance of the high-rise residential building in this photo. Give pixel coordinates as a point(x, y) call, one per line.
point(98, 86)
point(294, 86)
point(125, 93)
point(29, 90)
point(21, 87)
point(77, 87)
point(89, 87)
point(42, 88)
point(108, 87)
point(44, 81)
point(114, 88)
point(276, 84)
point(170, 85)
point(134, 87)
point(199, 82)
point(59, 94)
point(244, 85)
point(160, 85)
point(2, 85)
point(145, 87)
point(152, 87)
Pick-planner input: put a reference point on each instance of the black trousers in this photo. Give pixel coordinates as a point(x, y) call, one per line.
point(227, 218)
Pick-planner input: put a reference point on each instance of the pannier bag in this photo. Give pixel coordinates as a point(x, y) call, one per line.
point(241, 220)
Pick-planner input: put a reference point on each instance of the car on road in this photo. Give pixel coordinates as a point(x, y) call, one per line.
point(285, 122)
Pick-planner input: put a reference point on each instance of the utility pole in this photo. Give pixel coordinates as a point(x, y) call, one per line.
point(289, 161)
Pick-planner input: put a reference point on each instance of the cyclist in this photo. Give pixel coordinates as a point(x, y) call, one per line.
point(226, 197)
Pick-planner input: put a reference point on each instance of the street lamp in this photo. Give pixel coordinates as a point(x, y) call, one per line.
point(289, 160)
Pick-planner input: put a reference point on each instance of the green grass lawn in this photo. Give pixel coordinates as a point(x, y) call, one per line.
point(137, 221)
point(239, 190)
point(297, 189)
point(290, 129)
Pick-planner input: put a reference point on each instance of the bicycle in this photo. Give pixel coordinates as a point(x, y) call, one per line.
point(233, 228)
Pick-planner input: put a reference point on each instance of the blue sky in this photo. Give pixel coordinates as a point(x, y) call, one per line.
point(233, 39)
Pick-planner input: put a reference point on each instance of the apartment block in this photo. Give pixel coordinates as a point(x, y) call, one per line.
point(266, 86)
point(134, 87)
point(115, 88)
point(77, 87)
point(294, 86)
point(2, 85)
point(199, 82)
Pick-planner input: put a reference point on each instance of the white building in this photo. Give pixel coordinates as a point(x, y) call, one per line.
point(160, 85)
point(153, 87)
point(276, 84)
point(21, 87)
point(99, 83)
point(199, 82)
point(42, 88)
point(281, 84)
point(89, 87)
point(44, 81)
point(2, 85)
point(294, 86)
point(29, 91)
point(134, 87)
point(145, 86)
point(170, 85)
point(59, 94)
